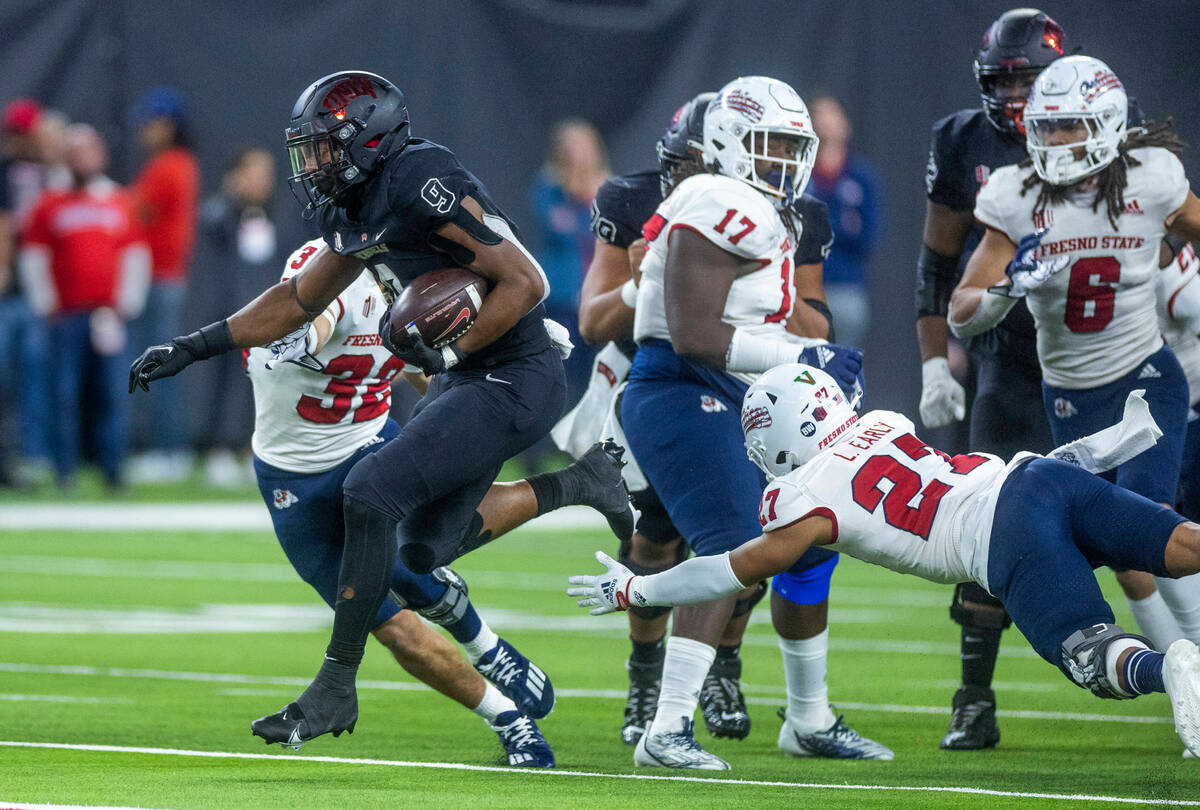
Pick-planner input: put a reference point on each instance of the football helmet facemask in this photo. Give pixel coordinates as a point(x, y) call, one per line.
point(341, 129)
point(757, 122)
point(681, 148)
point(1017, 46)
point(1075, 120)
point(790, 414)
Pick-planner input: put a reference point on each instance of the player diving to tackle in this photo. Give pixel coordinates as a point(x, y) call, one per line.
point(1079, 238)
point(316, 415)
point(1029, 531)
point(400, 207)
point(717, 287)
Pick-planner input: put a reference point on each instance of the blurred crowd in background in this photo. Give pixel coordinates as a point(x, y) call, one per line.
point(93, 270)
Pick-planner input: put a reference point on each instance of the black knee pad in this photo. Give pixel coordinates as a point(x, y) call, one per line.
point(743, 606)
point(418, 557)
point(973, 617)
point(653, 521)
point(1083, 658)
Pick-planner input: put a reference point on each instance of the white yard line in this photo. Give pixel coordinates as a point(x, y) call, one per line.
point(608, 694)
point(537, 774)
point(25, 806)
point(27, 698)
point(217, 516)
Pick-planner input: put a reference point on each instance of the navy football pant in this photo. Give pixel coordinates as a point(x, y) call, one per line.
point(1054, 523)
point(306, 509)
point(1075, 413)
point(687, 437)
point(433, 475)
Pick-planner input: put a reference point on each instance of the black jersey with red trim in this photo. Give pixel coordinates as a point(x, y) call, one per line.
point(388, 221)
point(626, 201)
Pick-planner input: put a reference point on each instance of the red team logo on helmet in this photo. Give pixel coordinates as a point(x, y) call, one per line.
point(743, 103)
point(755, 418)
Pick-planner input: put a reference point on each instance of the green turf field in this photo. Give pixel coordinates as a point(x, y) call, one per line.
point(157, 640)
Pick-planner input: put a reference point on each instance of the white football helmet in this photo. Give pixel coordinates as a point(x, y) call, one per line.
point(748, 115)
point(1071, 91)
point(790, 414)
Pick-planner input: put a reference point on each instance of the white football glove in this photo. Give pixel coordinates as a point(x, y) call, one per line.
point(296, 347)
point(607, 592)
point(942, 399)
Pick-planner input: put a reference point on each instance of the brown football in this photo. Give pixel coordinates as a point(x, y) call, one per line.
point(440, 305)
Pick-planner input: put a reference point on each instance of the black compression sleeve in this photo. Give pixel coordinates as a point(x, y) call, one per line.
point(936, 276)
point(823, 308)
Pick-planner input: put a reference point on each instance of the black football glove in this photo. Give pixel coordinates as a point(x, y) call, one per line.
point(169, 359)
point(419, 353)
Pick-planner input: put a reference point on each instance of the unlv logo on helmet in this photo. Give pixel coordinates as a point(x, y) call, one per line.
point(343, 91)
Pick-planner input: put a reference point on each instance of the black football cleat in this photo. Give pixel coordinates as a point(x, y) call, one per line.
point(642, 702)
point(603, 488)
point(325, 707)
point(973, 723)
point(722, 702)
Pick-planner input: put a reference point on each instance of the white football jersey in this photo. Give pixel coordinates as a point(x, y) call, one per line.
point(307, 421)
point(1176, 281)
point(1096, 317)
point(895, 501)
point(735, 218)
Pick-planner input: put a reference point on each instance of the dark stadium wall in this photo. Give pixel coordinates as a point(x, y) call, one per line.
point(488, 78)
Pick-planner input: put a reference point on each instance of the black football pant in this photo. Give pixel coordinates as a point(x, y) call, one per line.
point(417, 496)
point(1006, 418)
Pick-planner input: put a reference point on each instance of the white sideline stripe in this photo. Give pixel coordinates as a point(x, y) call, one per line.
point(458, 766)
point(42, 618)
point(217, 516)
point(281, 572)
point(25, 806)
point(23, 698)
point(614, 694)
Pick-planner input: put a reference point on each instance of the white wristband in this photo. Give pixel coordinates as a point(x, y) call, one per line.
point(700, 579)
point(991, 310)
point(629, 294)
point(754, 354)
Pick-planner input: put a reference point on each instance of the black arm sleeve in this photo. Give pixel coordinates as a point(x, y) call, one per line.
point(936, 277)
point(823, 308)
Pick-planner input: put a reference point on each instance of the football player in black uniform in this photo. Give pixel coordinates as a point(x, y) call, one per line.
point(966, 147)
point(402, 206)
point(622, 206)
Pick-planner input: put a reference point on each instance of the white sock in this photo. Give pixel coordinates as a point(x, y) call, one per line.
point(1155, 621)
point(1110, 662)
point(686, 663)
point(483, 641)
point(804, 670)
point(493, 704)
point(1183, 598)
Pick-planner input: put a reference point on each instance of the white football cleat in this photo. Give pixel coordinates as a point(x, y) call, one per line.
point(676, 749)
point(1181, 677)
point(839, 741)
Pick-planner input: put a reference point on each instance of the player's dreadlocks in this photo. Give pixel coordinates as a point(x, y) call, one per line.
point(1111, 181)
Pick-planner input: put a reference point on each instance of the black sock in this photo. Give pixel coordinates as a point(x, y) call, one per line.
point(368, 560)
point(647, 653)
point(979, 650)
point(728, 651)
point(553, 489)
